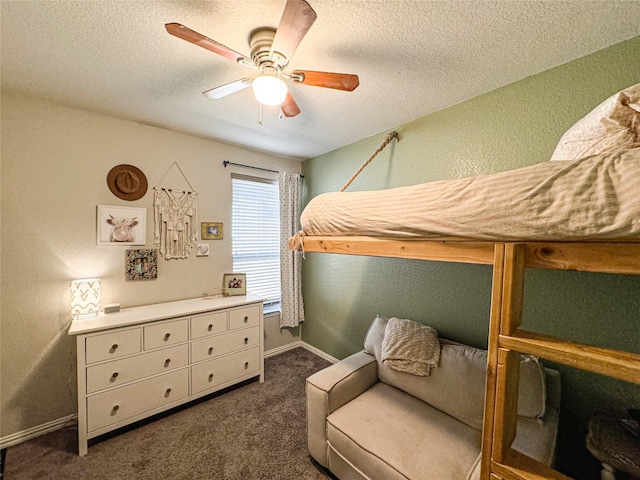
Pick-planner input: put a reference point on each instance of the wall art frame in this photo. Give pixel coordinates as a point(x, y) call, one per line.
point(234, 284)
point(202, 250)
point(141, 264)
point(117, 225)
point(211, 231)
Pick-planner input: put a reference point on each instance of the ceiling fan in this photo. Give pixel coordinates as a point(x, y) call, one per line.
point(271, 51)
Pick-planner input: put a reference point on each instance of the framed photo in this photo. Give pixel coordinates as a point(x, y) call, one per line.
point(234, 283)
point(211, 231)
point(141, 264)
point(121, 225)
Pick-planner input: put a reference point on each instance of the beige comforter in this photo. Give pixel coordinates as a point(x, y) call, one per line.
point(594, 198)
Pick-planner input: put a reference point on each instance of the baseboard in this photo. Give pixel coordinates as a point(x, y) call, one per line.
point(319, 352)
point(282, 349)
point(298, 344)
point(34, 432)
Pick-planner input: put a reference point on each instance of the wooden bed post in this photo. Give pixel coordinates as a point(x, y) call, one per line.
point(504, 431)
point(501, 395)
point(492, 360)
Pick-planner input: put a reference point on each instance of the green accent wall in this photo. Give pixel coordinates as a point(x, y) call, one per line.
point(511, 127)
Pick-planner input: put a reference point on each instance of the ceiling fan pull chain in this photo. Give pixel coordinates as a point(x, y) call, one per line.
point(260, 119)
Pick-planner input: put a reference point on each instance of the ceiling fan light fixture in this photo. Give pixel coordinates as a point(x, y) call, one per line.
point(271, 50)
point(269, 89)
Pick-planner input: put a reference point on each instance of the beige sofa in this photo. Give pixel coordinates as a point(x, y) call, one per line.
point(368, 421)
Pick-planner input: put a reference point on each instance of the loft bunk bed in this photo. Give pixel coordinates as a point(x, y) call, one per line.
point(581, 213)
point(506, 339)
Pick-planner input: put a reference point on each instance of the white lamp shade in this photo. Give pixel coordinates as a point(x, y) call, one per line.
point(269, 89)
point(85, 297)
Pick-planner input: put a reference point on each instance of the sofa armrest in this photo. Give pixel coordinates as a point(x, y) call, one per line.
point(329, 389)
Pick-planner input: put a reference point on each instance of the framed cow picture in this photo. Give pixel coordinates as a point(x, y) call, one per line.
point(121, 225)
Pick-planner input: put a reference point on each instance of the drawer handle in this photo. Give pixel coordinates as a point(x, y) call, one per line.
point(246, 340)
point(113, 347)
point(210, 327)
point(166, 336)
point(246, 365)
point(167, 392)
point(115, 408)
point(210, 350)
point(114, 375)
point(167, 362)
point(246, 319)
point(210, 376)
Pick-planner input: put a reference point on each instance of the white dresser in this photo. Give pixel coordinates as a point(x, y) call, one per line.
point(143, 360)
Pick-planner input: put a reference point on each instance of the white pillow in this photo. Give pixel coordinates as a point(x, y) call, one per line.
point(611, 126)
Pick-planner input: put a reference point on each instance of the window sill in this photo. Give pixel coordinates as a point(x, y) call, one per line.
point(271, 309)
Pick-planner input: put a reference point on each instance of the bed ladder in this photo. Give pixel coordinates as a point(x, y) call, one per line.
point(507, 341)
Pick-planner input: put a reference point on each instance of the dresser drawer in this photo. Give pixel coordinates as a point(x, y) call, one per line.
point(118, 372)
point(207, 375)
point(166, 334)
point(208, 324)
point(244, 317)
point(217, 345)
point(112, 345)
point(125, 402)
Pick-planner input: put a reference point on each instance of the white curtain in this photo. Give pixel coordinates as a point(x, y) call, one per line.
point(292, 308)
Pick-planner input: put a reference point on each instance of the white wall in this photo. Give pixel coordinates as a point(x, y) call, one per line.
point(55, 162)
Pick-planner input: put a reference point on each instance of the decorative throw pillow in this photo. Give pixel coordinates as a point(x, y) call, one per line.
point(611, 126)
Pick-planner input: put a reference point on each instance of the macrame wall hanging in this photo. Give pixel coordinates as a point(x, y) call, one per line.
point(176, 218)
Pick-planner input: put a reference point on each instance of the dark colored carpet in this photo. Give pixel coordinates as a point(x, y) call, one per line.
point(254, 431)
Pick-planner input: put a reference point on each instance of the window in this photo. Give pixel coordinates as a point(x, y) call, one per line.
point(255, 234)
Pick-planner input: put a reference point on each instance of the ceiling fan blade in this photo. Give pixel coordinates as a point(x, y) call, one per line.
point(338, 81)
point(189, 35)
point(289, 107)
point(228, 89)
point(297, 18)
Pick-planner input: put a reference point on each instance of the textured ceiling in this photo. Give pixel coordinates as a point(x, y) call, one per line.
point(412, 57)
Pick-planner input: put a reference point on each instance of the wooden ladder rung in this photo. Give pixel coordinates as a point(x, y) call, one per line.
point(613, 363)
point(521, 467)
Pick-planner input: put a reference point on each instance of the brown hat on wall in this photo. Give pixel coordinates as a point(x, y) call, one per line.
point(127, 182)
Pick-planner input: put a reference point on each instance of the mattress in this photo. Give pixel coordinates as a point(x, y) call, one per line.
point(592, 198)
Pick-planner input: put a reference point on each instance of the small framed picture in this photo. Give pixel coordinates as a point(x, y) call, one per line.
point(141, 264)
point(202, 250)
point(234, 283)
point(211, 231)
point(121, 225)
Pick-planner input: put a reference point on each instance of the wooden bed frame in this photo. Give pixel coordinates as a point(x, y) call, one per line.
point(506, 339)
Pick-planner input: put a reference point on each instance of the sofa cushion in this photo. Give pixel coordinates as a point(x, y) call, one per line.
point(457, 385)
point(381, 430)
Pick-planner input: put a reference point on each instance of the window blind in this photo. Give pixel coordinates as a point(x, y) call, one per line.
point(255, 234)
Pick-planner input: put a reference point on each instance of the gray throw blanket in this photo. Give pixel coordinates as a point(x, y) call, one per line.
point(410, 347)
